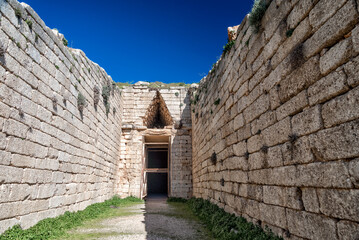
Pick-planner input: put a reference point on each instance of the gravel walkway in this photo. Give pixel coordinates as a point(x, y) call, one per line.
point(153, 220)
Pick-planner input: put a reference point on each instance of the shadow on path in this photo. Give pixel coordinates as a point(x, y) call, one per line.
point(153, 220)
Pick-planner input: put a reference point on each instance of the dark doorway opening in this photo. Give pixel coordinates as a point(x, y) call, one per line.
point(157, 158)
point(156, 167)
point(157, 183)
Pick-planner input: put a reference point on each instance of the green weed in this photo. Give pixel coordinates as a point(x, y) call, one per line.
point(228, 46)
point(52, 228)
point(226, 226)
point(258, 10)
point(29, 23)
point(64, 41)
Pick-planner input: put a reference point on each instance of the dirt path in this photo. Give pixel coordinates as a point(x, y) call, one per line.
point(153, 220)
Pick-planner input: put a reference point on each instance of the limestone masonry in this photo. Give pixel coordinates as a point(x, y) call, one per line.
point(271, 134)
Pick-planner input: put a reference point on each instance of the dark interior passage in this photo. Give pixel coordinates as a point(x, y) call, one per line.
point(157, 183)
point(157, 158)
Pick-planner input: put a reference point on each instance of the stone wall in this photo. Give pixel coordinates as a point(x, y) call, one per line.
point(137, 100)
point(280, 112)
point(52, 159)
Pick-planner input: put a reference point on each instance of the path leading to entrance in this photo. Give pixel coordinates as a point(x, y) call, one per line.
point(153, 220)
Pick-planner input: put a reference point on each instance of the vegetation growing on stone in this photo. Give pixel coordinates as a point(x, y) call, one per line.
point(223, 225)
point(228, 46)
point(289, 32)
point(96, 96)
point(258, 10)
point(106, 91)
point(18, 13)
point(217, 101)
point(64, 41)
point(29, 23)
point(214, 158)
point(52, 228)
point(81, 102)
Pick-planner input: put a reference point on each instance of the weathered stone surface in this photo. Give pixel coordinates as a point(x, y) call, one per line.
point(277, 133)
point(355, 34)
point(274, 157)
point(298, 151)
point(273, 214)
point(337, 55)
point(354, 171)
point(333, 143)
point(341, 109)
point(343, 204)
point(332, 30)
point(309, 225)
point(304, 76)
point(293, 106)
point(323, 10)
point(323, 174)
point(307, 122)
point(348, 230)
point(327, 87)
point(256, 108)
point(300, 10)
point(310, 200)
point(351, 69)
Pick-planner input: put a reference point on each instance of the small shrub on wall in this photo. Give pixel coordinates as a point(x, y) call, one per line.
point(258, 10)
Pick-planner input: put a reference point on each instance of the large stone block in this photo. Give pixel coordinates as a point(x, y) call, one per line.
point(11, 174)
point(351, 69)
point(293, 106)
point(339, 203)
point(307, 122)
point(354, 171)
point(332, 30)
point(324, 174)
point(333, 143)
point(336, 56)
point(300, 79)
point(311, 226)
point(341, 109)
point(348, 230)
point(273, 214)
point(310, 200)
point(277, 133)
point(258, 107)
point(355, 34)
point(263, 121)
point(327, 87)
point(323, 10)
point(300, 10)
point(257, 160)
point(274, 157)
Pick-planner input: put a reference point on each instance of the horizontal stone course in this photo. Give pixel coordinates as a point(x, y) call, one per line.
point(297, 137)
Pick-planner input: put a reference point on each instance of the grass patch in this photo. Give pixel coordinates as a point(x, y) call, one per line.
point(52, 228)
point(226, 226)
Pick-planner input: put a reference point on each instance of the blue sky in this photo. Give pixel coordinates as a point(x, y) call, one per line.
point(146, 40)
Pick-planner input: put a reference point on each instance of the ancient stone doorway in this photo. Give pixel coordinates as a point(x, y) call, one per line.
point(156, 166)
